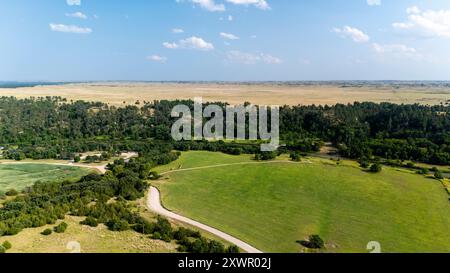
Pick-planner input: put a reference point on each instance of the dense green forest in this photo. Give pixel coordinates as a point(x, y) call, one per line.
point(55, 128)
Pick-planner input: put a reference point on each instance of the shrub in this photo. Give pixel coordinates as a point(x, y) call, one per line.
point(364, 164)
point(2, 250)
point(314, 242)
point(154, 175)
point(184, 233)
point(164, 228)
point(89, 221)
point(376, 168)
point(117, 225)
point(266, 156)
point(232, 249)
point(143, 226)
point(215, 247)
point(7, 245)
point(46, 232)
point(295, 157)
point(438, 175)
point(61, 228)
point(423, 171)
point(12, 192)
point(156, 236)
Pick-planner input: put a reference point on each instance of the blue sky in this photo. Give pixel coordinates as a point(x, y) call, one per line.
point(230, 40)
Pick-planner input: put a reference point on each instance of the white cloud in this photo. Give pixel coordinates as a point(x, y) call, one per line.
point(73, 2)
point(79, 15)
point(229, 36)
point(191, 43)
point(393, 48)
point(209, 5)
point(170, 45)
point(157, 58)
point(430, 23)
point(399, 51)
point(177, 30)
point(249, 58)
point(413, 9)
point(261, 4)
point(355, 34)
point(230, 18)
point(70, 29)
point(374, 2)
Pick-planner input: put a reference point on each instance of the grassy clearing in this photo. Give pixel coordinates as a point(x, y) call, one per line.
point(19, 176)
point(92, 240)
point(201, 159)
point(273, 206)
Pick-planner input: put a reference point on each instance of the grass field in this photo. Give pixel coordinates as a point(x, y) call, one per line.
point(91, 240)
point(19, 176)
point(273, 206)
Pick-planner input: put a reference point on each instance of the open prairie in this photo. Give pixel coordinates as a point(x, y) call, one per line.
point(273, 205)
point(119, 94)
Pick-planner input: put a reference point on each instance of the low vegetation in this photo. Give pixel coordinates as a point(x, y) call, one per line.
point(271, 205)
point(17, 177)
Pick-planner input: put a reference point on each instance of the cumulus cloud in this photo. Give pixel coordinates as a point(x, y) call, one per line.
point(209, 5)
point(73, 2)
point(430, 23)
point(193, 42)
point(261, 4)
point(229, 36)
point(393, 48)
point(374, 2)
point(79, 15)
point(398, 51)
point(70, 29)
point(355, 34)
point(177, 30)
point(170, 45)
point(249, 58)
point(157, 58)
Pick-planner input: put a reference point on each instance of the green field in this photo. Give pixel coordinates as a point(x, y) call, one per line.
point(19, 176)
point(271, 206)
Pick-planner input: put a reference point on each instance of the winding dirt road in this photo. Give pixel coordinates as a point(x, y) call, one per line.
point(154, 204)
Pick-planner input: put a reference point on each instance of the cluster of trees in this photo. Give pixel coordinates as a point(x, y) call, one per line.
point(105, 156)
point(368, 130)
point(55, 128)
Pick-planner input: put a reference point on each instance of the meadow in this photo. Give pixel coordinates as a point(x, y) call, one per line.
point(91, 240)
point(20, 176)
point(272, 206)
